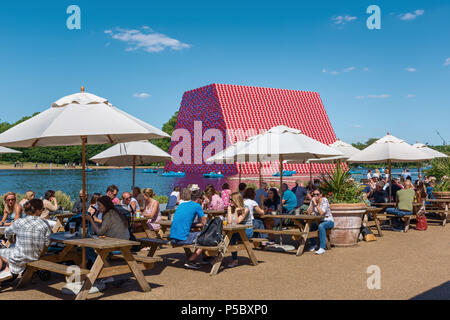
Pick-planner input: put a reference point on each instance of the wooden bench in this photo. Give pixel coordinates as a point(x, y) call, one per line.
point(152, 243)
point(387, 216)
point(295, 233)
point(443, 213)
point(45, 265)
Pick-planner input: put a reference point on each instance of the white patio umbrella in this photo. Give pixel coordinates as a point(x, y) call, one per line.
point(79, 119)
point(347, 149)
point(228, 155)
point(4, 150)
point(434, 153)
point(284, 143)
point(389, 149)
point(131, 153)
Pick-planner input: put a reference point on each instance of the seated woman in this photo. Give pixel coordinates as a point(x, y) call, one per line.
point(93, 210)
point(151, 210)
point(32, 236)
point(271, 206)
point(242, 216)
point(255, 211)
point(50, 205)
point(225, 194)
point(12, 210)
point(319, 206)
point(212, 200)
point(28, 196)
point(114, 224)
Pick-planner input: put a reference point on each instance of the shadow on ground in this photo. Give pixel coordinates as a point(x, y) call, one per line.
point(441, 292)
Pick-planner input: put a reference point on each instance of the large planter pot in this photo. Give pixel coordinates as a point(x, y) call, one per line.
point(347, 223)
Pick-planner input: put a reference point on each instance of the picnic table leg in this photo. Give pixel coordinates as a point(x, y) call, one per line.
point(248, 247)
point(444, 221)
point(218, 260)
point(26, 277)
point(93, 274)
point(407, 223)
point(377, 223)
point(305, 234)
point(132, 264)
point(56, 227)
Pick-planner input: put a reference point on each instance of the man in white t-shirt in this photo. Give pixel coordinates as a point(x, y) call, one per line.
point(130, 202)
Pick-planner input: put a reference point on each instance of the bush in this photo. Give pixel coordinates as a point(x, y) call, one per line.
point(64, 200)
point(439, 168)
point(443, 185)
point(339, 187)
point(161, 199)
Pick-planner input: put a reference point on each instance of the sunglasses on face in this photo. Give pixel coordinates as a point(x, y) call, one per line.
point(126, 199)
point(316, 194)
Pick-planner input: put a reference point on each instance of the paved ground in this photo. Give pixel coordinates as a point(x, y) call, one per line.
point(413, 265)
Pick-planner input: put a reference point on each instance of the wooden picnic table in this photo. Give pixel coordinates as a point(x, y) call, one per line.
point(439, 206)
point(221, 250)
point(386, 216)
point(60, 217)
point(101, 267)
point(303, 224)
point(375, 222)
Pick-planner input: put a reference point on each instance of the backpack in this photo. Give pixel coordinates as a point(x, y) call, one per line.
point(211, 235)
point(421, 222)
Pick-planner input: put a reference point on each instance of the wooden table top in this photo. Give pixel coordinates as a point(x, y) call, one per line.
point(439, 200)
point(101, 243)
point(230, 227)
point(373, 209)
point(293, 217)
point(65, 215)
point(393, 204)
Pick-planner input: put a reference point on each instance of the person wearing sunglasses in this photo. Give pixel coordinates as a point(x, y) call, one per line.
point(320, 206)
point(12, 210)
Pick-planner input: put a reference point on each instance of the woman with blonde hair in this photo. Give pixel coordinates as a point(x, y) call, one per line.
point(151, 210)
point(12, 211)
point(241, 215)
point(30, 194)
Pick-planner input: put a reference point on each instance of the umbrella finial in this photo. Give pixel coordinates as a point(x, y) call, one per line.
point(388, 133)
point(82, 88)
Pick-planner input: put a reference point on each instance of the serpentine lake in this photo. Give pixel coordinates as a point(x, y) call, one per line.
point(70, 181)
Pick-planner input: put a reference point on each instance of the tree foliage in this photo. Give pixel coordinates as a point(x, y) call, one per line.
point(168, 128)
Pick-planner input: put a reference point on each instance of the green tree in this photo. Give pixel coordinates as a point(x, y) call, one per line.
point(168, 128)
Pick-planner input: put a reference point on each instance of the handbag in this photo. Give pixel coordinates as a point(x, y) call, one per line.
point(421, 220)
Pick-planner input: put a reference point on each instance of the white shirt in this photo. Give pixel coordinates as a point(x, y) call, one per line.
point(250, 205)
point(138, 208)
point(324, 206)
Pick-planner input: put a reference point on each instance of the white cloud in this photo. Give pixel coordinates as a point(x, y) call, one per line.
point(147, 40)
point(365, 69)
point(411, 69)
point(334, 73)
point(142, 95)
point(349, 69)
point(343, 19)
point(411, 16)
point(374, 96)
point(447, 62)
point(411, 95)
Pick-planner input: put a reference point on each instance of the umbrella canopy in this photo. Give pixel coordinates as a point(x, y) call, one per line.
point(80, 114)
point(389, 148)
point(428, 150)
point(129, 153)
point(285, 143)
point(347, 149)
point(79, 119)
point(227, 154)
point(8, 150)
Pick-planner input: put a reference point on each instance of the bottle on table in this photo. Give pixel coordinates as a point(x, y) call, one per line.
point(234, 219)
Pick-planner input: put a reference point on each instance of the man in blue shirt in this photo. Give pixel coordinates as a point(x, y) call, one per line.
point(300, 193)
point(180, 230)
point(261, 194)
point(289, 199)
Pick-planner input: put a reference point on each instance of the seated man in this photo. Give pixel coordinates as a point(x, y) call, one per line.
point(289, 200)
point(405, 199)
point(378, 195)
point(180, 230)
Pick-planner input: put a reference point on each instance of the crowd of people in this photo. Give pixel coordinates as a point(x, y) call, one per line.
point(109, 216)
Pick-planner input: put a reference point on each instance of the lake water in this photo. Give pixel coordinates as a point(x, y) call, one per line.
point(70, 181)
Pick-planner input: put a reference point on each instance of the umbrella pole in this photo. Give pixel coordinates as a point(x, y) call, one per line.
point(260, 177)
point(418, 169)
point(281, 197)
point(240, 168)
point(390, 180)
point(83, 161)
point(134, 170)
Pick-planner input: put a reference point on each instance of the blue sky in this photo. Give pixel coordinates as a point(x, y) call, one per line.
point(143, 55)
